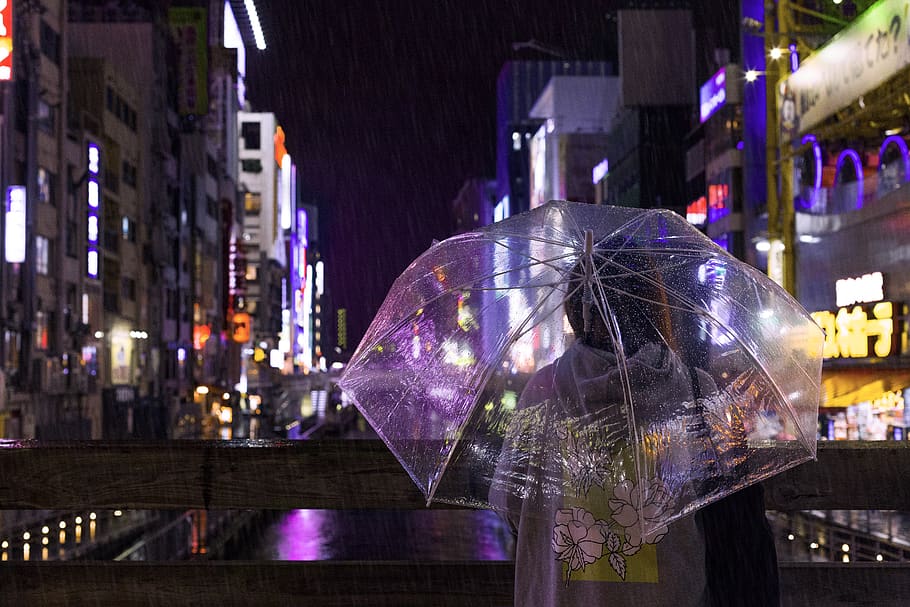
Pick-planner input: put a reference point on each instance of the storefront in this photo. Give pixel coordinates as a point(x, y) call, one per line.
point(851, 192)
point(863, 311)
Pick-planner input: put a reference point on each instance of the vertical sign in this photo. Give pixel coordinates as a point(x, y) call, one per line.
point(188, 27)
point(93, 210)
point(6, 39)
point(15, 224)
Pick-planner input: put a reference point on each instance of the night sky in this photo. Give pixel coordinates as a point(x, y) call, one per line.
point(389, 106)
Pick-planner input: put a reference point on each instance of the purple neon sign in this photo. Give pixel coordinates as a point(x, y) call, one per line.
point(857, 168)
point(902, 146)
point(713, 94)
point(93, 194)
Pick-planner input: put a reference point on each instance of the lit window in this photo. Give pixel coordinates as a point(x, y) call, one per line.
point(42, 254)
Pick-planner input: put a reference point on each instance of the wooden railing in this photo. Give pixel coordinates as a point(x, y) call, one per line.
point(337, 474)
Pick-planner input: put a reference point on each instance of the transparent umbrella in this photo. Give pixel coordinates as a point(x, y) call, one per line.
point(586, 352)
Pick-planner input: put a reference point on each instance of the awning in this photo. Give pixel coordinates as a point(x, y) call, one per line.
point(845, 387)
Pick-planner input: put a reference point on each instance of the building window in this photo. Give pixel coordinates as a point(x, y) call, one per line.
point(71, 242)
point(252, 203)
point(250, 131)
point(46, 181)
point(47, 119)
point(170, 304)
point(42, 255)
point(251, 165)
point(128, 229)
point(128, 288)
point(50, 43)
point(129, 174)
point(41, 330)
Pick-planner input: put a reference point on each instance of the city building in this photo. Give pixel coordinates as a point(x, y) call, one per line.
point(475, 205)
point(646, 141)
point(266, 217)
point(518, 87)
point(40, 296)
point(843, 120)
point(575, 113)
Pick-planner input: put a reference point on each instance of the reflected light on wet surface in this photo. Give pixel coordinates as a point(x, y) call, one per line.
point(26, 551)
point(78, 534)
point(44, 554)
point(91, 531)
point(306, 535)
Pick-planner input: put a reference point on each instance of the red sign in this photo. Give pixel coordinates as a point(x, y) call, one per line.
point(201, 334)
point(278, 138)
point(6, 39)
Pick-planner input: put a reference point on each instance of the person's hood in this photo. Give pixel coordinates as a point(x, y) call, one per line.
point(591, 377)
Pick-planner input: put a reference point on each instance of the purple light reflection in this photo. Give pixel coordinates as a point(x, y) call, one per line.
point(902, 145)
point(301, 536)
point(858, 169)
point(817, 154)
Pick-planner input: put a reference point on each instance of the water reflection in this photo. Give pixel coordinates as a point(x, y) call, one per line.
point(306, 535)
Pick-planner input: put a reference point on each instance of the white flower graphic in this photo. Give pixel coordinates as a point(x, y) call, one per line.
point(587, 462)
point(651, 501)
point(578, 539)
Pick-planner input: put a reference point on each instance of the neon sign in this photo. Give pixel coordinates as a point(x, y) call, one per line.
point(600, 171)
point(94, 208)
point(713, 94)
point(867, 288)
point(15, 224)
point(850, 331)
point(6, 39)
point(697, 211)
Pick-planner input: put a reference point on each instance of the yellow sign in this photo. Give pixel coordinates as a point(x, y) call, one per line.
point(241, 327)
point(850, 332)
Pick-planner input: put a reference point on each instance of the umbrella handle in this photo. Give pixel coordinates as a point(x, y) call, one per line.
point(587, 297)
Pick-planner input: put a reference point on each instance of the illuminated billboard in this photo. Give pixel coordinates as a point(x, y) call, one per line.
point(15, 224)
point(863, 56)
point(712, 95)
point(189, 29)
point(6, 39)
point(93, 195)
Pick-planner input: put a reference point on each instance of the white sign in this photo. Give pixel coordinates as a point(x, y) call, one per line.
point(861, 57)
point(15, 224)
point(865, 289)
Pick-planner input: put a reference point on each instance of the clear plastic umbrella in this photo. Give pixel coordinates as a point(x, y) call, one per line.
point(585, 352)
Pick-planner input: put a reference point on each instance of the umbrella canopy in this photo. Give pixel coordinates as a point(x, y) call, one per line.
point(579, 350)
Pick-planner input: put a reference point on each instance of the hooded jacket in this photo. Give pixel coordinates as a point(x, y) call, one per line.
point(590, 548)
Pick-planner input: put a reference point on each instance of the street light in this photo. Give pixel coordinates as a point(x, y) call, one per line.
point(776, 53)
point(751, 75)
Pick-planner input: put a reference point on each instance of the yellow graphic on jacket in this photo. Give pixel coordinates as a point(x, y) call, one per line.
point(608, 532)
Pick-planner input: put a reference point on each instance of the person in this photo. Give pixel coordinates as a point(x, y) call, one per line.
point(587, 546)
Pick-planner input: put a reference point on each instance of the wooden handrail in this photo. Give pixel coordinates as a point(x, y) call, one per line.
point(340, 474)
point(374, 583)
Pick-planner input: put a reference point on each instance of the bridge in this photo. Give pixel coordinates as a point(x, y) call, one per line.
point(341, 474)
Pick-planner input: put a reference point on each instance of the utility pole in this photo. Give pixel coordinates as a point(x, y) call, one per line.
point(779, 161)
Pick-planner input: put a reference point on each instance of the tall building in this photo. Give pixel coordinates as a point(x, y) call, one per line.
point(571, 142)
point(646, 143)
point(40, 296)
point(518, 87)
point(261, 154)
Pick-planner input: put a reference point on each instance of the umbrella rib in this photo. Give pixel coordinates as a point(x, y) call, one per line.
point(510, 339)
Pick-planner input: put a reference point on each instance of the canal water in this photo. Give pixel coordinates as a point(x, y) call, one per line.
point(306, 535)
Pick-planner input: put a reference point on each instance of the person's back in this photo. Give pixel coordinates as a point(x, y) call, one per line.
point(591, 549)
